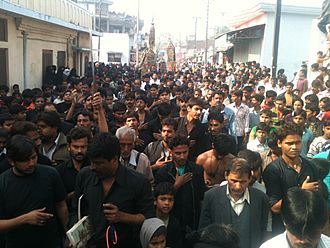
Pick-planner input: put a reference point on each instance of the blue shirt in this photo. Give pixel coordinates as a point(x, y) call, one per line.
point(306, 140)
point(229, 116)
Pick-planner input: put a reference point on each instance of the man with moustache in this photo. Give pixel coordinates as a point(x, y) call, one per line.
point(116, 198)
point(78, 140)
point(158, 152)
point(244, 208)
point(54, 143)
point(288, 171)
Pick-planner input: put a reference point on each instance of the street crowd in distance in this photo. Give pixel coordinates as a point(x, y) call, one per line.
point(205, 156)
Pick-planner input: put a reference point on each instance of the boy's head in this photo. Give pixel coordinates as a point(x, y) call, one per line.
point(164, 198)
point(289, 87)
point(195, 107)
point(261, 90)
point(311, 98)
point(270, 95)
point(326, 130)
point(280, 103)
point(256, 100)
point(119, 110)
point(132, 120)
point(312, 110)
point(153, 233)
point(6, 121)
point(262, 132)
point(265, 116)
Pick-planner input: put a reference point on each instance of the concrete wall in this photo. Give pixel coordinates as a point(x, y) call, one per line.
point(294, 42)
point(41, 35)
point(247, 50)
point(240, 51)
point(254, 49)
point(112, 42)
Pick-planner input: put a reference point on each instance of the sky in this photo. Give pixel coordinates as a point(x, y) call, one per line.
point(177, 17)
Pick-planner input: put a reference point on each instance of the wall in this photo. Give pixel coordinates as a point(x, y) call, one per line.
point(15, 53)
point(41, 35)
point(254, 49)
point(112, 42)
point(240, 51)
point(294, 42)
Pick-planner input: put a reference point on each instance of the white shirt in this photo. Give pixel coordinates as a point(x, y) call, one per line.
point(325, 93)
point(242, 118)
point(280, 241)
point(142, 165)
point(51, 150)
point(152, 81)
point(238, 205)
point(256, 146)
point(4, 151)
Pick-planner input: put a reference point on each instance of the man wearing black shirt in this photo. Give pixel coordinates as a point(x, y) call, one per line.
point(78, 140)
point(112, 195)
point(31, 196)
point(288, 171)
point(191, 127)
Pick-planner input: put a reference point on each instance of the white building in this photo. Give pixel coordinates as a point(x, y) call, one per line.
point(253, 32)
point(35, 34)
point(114, 48)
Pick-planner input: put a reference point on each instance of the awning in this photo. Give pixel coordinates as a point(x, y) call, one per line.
point(255, 32)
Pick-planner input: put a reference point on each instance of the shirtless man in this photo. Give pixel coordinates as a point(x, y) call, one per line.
point(216, 160)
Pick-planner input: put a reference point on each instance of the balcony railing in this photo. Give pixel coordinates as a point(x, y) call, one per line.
point(64, 10)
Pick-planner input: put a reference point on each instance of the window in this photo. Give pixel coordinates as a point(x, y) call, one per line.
point(3, 30)
point(47, 62)
point(61, 58)
point(114, 57)
point(4, 66)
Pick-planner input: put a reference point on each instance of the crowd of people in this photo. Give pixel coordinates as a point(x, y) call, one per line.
point(206, 156)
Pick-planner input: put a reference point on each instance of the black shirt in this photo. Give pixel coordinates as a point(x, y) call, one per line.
point(131, 193)
point(62, 107)
point(68, 173)
point(279, 177)
point(22, 194)
point(196, 134)
point(188, 198)
point(154, 126)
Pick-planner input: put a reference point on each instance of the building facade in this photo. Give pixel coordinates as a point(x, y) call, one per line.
point(252, 33)
point(35, 34)
point(118, 39)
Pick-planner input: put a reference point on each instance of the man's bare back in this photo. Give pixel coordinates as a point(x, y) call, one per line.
point(214, 168)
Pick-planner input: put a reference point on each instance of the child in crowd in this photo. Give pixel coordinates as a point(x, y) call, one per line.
point(265, 117)
point(153, 233)
point(164, 201)
point(299, 117)
point(313, 123)
point(321, 143)
point(260, 143)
